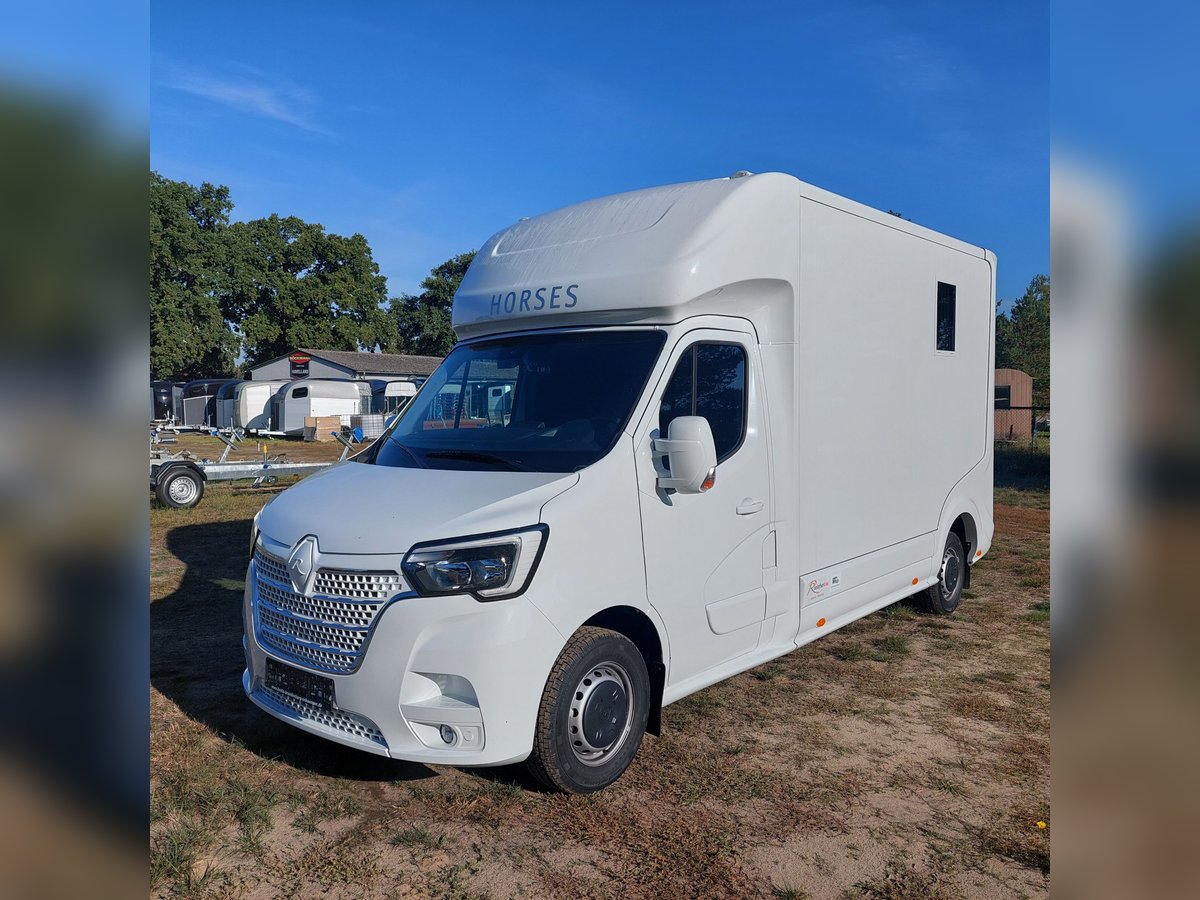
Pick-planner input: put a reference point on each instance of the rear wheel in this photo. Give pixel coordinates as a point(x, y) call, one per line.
point(944, 596)
point(593, 713)
point(180, 488)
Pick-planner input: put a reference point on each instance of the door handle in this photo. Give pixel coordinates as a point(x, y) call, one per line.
point(749, 507)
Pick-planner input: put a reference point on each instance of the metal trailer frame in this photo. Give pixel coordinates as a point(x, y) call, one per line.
point(164, 463)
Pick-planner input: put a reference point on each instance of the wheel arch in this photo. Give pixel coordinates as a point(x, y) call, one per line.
point(965, 526)
point(161, 471)
point(966, 529)
point(640, 629)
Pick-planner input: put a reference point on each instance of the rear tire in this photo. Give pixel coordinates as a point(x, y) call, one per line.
point(943, 597)
point(593, 713)
point(180, 488)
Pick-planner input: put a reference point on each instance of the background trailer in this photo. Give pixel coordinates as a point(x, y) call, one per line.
point(199, 402)
point(298, 400)
point(252, 404)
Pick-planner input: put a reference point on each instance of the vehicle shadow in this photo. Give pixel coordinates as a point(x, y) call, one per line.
point(196, 660)
point(1023, 469)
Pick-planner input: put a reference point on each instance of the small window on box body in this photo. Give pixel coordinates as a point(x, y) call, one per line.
point(299, 392)
point(946, 295)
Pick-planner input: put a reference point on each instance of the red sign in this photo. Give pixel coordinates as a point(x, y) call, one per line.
point(299, 367)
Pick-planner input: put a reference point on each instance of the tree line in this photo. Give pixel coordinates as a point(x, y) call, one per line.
point(226, 295)
point(1023, 337)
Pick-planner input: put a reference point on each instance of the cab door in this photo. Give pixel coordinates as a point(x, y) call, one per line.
point(705, 552)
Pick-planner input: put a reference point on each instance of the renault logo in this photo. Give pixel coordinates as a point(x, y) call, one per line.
point(300, 563)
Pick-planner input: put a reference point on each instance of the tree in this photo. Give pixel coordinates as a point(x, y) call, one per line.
point(1023, 337)
point(188, 334)
point(292, 284)
point(1004, 341)
point(422, 323)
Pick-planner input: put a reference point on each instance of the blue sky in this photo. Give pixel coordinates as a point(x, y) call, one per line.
point(427, 127)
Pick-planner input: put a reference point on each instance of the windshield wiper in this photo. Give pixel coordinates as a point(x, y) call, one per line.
point(474, 456)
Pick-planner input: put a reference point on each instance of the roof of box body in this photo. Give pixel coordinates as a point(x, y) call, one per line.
point(641, 257)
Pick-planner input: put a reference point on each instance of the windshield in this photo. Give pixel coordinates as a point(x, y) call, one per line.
point(530, 403)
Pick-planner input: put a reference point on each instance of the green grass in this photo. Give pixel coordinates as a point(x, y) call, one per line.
point(850, 652)
point(415, 836)
point(1038, 612)
point(903, 610)
point(324, 806)
point(891, 648)
point(768, 671)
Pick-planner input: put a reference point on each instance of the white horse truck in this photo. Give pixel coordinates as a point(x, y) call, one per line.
point(741, 413)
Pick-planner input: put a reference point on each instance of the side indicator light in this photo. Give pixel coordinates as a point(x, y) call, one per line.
point(979, 553)
point(710, 480)
point(820, 622)
point(915, 580)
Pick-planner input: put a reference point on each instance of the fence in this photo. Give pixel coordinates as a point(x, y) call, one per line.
point(1022, 424)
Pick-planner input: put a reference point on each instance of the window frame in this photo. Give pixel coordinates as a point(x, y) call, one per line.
point(937, 316)
point(693, 346)
point(1006, 400)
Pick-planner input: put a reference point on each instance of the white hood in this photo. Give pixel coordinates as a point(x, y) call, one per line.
point(357, 508)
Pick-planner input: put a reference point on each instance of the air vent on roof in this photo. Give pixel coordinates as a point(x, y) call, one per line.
point(741, 173)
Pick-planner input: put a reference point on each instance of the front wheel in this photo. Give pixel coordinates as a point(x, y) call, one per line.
point(593, 713)
point(943, 598)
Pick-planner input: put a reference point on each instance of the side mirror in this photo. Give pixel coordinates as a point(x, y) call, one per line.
point(691, 455)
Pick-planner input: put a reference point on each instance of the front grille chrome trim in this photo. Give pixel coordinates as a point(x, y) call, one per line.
point(323, 632)
point(346, 725)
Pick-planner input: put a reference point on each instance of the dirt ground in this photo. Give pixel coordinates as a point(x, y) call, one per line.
point(904, 756)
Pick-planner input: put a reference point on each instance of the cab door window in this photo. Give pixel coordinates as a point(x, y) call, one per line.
point(709, 381)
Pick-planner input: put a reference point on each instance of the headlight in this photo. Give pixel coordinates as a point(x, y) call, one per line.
point(490, 566)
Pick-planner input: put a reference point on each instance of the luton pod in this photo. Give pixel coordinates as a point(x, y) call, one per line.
point(684, 431)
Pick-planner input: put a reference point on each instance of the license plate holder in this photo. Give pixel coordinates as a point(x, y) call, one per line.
point(304, 685)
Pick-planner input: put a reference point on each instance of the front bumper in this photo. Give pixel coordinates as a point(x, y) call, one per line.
point(479, 668)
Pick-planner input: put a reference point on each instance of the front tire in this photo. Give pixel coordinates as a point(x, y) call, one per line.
point(943, 598)
point(593, 713)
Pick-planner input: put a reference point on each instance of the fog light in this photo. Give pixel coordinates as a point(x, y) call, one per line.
point(448, 734)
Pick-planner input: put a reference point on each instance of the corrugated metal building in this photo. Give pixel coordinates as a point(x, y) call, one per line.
point(304, 362)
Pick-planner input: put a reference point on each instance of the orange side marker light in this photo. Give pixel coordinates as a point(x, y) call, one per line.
point(979, 553)
point(820, 622)
point(915, 580)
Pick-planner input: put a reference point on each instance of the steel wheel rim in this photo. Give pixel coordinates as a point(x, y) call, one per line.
point(182, 489)
point(592, 693)
point(951, 574)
